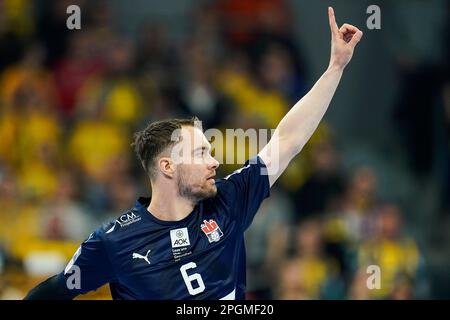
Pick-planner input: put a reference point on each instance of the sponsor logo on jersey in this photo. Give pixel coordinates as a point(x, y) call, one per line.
point(179, 238)
point(125, 220)
point(212, 230)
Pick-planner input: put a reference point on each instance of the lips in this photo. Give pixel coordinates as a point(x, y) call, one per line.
point(211, 177)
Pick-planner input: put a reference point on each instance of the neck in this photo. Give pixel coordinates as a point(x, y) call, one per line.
point(167, 205)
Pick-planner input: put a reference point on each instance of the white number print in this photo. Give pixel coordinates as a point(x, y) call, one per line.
point(188, 279)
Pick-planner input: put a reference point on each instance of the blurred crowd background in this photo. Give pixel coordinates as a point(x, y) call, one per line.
point(370, 188)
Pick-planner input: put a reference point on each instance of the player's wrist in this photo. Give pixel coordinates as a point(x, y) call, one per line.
point(335, 67)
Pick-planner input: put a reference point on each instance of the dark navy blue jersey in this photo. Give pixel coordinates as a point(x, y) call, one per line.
point(199, 257)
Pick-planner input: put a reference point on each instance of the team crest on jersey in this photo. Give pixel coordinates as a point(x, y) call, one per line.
point(212, 230)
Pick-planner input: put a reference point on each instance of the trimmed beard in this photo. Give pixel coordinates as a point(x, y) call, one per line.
point(187, 191)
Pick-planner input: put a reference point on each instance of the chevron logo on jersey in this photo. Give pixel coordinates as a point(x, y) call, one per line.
point(212, 230)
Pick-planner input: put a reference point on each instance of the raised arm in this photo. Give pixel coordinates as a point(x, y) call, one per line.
point(298, 125)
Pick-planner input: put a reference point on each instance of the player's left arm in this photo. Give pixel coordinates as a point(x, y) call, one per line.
point(298, 125)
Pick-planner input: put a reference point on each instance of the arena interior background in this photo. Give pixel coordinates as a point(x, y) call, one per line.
point(370, 188)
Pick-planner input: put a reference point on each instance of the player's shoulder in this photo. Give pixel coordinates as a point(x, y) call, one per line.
point(253, 166)
point(251, 169)
point(126, 222)
point(121, 223)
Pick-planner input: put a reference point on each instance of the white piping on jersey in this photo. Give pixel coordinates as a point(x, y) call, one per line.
point(112, 229)
point(230, 296)
point(237, 171)
point(74, 258)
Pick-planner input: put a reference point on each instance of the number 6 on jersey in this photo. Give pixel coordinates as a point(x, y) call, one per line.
point(189, 279)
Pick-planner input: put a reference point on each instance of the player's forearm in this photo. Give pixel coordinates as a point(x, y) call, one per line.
point(298, 125)
point(50, 289)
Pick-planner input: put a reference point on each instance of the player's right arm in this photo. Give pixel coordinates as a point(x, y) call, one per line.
point(54, 288)
point(89, 269)
point(298, 125)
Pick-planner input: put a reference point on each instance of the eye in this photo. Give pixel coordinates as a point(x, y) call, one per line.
point(200, 153)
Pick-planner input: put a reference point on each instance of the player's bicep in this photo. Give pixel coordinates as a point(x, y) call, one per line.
point(276, 155)
point(90, 267)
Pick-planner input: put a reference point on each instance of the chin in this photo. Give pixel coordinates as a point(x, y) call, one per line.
point(200, 193)
point(210, 192)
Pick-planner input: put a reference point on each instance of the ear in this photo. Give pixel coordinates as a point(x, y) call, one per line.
point(166, 166)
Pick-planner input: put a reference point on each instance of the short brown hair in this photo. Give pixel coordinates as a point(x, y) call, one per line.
point(157, 137)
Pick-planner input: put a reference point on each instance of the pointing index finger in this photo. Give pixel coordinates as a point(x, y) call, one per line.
point(333, 25)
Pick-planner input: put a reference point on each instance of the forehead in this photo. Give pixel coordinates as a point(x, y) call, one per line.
point(193, 137)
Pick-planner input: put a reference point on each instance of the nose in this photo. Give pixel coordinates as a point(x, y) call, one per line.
point(213, 163)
